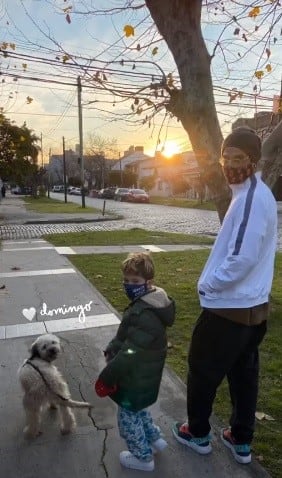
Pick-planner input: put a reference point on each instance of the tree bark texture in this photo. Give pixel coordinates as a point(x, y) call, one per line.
point(179, 22)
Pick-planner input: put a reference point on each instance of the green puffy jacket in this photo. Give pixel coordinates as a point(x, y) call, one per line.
point(139, 350)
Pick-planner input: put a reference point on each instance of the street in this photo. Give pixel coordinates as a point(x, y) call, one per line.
point(155, 217)
point(147, 216)
point(161, 218)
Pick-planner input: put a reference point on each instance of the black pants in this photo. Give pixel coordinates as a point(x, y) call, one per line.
point(220, 348)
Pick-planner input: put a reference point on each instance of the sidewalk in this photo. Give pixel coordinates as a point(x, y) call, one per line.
point(34, 273)
point(13, 211)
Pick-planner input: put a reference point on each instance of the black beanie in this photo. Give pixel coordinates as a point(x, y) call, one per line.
point(245, 139)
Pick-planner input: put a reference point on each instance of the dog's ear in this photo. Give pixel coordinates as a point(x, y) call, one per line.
point(34, 352)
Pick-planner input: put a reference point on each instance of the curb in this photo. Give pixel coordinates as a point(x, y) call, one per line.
point(69, 221)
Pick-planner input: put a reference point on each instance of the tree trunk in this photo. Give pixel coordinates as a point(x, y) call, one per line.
point(179, 22)
point(271, 162)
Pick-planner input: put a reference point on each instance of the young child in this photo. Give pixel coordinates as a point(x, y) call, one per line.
point(135, 360)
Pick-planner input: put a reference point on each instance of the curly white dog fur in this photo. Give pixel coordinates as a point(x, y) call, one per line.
point(43, 385)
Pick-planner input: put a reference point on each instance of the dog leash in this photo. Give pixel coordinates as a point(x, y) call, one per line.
point(29, 362)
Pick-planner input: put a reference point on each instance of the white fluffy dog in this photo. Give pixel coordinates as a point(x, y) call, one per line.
point(43, 385)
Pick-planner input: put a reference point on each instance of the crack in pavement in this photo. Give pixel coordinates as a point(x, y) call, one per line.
point(104, 449)
point(73, 345)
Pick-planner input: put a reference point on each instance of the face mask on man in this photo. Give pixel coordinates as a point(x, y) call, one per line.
point(238, 175)
point(133, 291)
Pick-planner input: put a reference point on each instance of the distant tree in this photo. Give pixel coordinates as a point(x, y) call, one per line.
point(98, 150)
point(148, 182)
point(127, 180)
point(19, 154)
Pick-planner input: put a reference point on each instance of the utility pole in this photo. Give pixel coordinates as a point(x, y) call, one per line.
point(41, 145)
point(64, 165)
point(80, 140)
point(280, 102)
point(120, 169)
point(49, 173)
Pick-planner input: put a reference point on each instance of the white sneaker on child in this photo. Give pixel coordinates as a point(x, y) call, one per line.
point(159, 445)
point(129, 461)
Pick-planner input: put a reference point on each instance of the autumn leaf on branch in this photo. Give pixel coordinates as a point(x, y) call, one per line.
point(254, 12)
point(268, 68)
point(128, 30)
point(68, 18)
point(66, 58)
point(24, 65)
point(268, 52)
point(155, 50)
point(259, 74)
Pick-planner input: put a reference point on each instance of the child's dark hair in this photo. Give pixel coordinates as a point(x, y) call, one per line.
point(139, 263)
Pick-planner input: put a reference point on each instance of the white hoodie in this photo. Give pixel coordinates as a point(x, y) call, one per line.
point(239, 271)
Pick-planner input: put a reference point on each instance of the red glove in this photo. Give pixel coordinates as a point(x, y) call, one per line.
point(103, 390)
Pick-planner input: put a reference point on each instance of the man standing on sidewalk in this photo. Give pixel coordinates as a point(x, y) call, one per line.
point(234, 290)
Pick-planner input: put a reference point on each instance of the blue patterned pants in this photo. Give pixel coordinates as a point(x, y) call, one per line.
point(139, 432)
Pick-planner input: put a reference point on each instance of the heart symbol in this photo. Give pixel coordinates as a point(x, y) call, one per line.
point(29, 313)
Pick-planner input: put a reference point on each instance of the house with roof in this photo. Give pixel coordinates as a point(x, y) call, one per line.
point(134, 154)
point(178, 175)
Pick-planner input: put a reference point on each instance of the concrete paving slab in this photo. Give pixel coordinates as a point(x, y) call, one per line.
point(60, 293)
point(58, 325)
point(34, 285)
point(131, 248)
point(63, 325)
point(20, 330)
point(32, 260)
point(107, 249)
point(65, 250)
point(2, 332)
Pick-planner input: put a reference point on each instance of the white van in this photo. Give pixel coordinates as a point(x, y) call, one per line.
point(58, 189)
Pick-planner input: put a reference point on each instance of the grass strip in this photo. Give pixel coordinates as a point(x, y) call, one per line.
point(54, 206)
point(127, 237)
point(183, 202)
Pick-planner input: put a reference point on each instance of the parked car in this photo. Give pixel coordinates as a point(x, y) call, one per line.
point(75, 191)
point(58, 188)
point(94, 193)
point(121, 194)
point(21, 190)
point(107, 193)
point(70, 188)
point(137, 195)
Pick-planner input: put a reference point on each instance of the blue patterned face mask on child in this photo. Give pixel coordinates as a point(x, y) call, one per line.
point(133, 291)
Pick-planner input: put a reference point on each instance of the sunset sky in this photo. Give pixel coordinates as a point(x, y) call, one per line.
point(38, 31)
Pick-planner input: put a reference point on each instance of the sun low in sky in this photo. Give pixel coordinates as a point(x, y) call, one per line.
point(170, 148)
